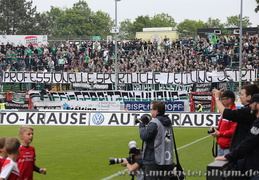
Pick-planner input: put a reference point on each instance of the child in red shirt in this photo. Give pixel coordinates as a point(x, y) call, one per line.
point(27, 157)
point(9, 169)
point(3, 154)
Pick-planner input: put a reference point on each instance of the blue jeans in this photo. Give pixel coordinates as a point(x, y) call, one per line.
point(222, 152)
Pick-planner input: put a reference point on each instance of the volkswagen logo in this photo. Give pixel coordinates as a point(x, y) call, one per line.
point(98, 118)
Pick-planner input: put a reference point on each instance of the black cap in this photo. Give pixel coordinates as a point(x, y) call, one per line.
point(228, 94)
point(255, 98)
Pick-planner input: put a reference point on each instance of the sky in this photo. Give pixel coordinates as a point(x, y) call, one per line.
point(178, 9)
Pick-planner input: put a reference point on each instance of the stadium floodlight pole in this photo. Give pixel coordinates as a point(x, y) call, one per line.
point(240, 46)
point(116, 47)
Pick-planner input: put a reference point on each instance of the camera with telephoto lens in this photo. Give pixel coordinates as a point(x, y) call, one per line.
point(212, 130)
point(145, 118)
point(133, 151)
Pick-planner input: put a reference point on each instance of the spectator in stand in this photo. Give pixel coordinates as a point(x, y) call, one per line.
point(139, 53)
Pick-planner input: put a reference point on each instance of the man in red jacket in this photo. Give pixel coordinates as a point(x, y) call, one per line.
point(226, 128)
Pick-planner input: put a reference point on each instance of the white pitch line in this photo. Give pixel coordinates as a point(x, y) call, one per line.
point(193, 142)
point(116, 174)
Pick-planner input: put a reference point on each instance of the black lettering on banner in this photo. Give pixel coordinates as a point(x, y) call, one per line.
point(26, 76)
point(82, 118)
point(228, 77)
point(84, 76)
point(64, 78)
point(168, 79)
point(209, 120)
point(208, 78)
point(176, 119)
point(52, 118)
point(243, 75)
point(72, 78)
point(191, 75)
point(140, 78)
point(155, 79)
point(187, 120)
point(181, 78)
point(10, 120)
point(20, 74)
point(127, 77)
point(73, 116)
point(121, 78)
point(31, 77)
point(41, 118)
point(176, 79)
point(78, 77)
point(113, 119)
point(235, 78)
point(39, 77)
point(2, 117)
point(199, 78)
point(186, 77)
point(251, 74)
point(46, 77)
point(61, 118)
point(13, 76)
point(99, 79)
point(149, 78)
point(196, 119)
point(56, 75)
point(136, 75)
point(107, 77)
point(217, 119)
point(112, 77)
point(89, 78)
point(224, 73)
point(127, 121)
point(29, 119)
point(6, 75)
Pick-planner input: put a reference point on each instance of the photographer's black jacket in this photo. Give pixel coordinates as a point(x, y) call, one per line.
point(248, 149)
point(244, 119)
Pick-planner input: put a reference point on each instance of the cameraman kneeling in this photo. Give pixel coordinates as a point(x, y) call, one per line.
point(135, 167)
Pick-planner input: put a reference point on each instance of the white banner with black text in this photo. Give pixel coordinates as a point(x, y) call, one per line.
point(97, 118)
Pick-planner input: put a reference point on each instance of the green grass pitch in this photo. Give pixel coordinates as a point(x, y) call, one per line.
point(81, 153)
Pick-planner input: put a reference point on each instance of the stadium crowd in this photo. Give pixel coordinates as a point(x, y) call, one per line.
point(185, 55)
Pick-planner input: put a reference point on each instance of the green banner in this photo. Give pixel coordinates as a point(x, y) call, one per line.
point(96, 38)
point(18, 98)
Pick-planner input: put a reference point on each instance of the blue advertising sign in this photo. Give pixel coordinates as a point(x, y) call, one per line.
point(174, 106)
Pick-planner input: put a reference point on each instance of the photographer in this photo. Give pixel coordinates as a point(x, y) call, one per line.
point(242, 116)
point(136, 167)
point(157, 147)
point(133, 161)
point(226, 128)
